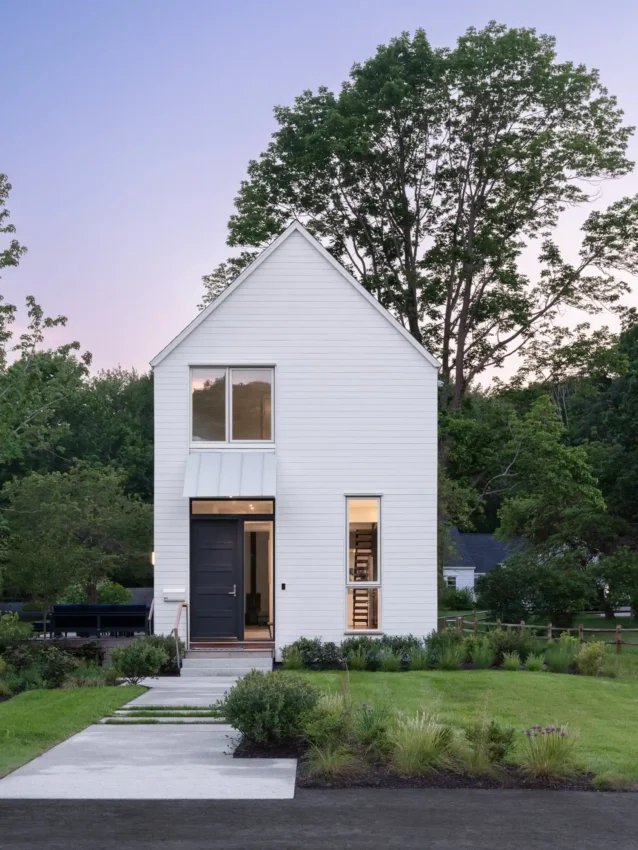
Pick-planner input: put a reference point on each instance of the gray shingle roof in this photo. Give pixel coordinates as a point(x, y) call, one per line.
point(481, 551)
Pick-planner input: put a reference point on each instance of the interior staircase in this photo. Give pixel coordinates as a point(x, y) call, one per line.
point(362, 571)
point(213, 661)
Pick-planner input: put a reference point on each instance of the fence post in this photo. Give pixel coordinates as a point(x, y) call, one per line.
point(442, 624)
point(549, 631)
point(498, 624)
point(618, 640)
point(475, 624)
point(522, 626)
point(581, 635)
point(459, 624)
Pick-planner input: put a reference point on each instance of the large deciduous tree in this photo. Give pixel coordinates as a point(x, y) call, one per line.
point(430, 173)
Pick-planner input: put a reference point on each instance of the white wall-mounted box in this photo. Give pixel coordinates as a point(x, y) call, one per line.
point(174, 594)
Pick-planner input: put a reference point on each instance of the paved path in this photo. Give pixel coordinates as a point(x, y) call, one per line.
point(340, 820)
point(154, 762)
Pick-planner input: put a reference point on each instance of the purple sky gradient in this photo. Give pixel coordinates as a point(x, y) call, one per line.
point(128, 124)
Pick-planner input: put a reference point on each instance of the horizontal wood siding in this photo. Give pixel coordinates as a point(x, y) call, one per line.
point(355, 414)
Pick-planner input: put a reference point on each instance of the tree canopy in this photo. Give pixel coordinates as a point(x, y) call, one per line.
point(432, 171)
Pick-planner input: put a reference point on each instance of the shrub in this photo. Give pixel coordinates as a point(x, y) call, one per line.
point(419, 659)
point(451, 657)
point(389, 662)
point(111, 676)
point(139, 660)
point(438, 642)
point(86, 676)
point(3, 667)
point(357, 660)
point(330, 724)
point(52, 664)
point(108, 593)
point(560, 655)
point(28, 679)
point(512, 640)
point(548, 754)
point(13, 631)
point(372, 730)
point(5, 690)
point(167, 644)
point(401, 645)
point(495, 740)
point(611, 667)
point(482, 654)
point(591, 658)
point(511, 661)
point(332, 762)
point(292, 658)
point(270, 707)
point(457, 600)
point(419, 745)
point(90, 651)
point(314, 654)
point(535, 662)
point(360, 643)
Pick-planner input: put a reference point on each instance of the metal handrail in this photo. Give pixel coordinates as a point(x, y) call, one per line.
point(149, 619)
point(175, 631)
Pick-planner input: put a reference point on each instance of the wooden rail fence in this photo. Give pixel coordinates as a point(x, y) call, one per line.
point(475, 626)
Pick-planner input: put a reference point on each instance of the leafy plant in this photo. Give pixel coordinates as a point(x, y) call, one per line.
point(548, 754)
point(437, 643)
point(451, 657)
point(3, 667)
point(511, 661)
point(357, 660)
point(270, 707)
point(13, 631)
point(560, 655)
point(419, 659)
point(332, 762)
point(139, 660)
point(535, 662)
point(419, 745)
point(389, 662)
point(167, 644)
point(495, 740)
point(52, 664)
point(90, 652)
point(86, 676)
point(482, 654)
point(401, 645)
point(611, 667)
point(5, 689)
point(457, 600)
point(511, 640)
point(331, 723)
point(314, 653)
point(591, 657)
point(27, 679)
point(293, 659)
point(372, 730)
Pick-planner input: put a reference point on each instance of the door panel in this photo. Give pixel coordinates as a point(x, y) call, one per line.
point(215, 573)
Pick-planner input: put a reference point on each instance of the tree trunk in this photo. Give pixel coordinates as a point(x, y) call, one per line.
point(91, 593)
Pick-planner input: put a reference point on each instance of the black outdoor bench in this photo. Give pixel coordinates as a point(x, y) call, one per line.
point(88, 620)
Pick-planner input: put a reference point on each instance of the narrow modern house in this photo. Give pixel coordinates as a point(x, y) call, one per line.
point(295, 462)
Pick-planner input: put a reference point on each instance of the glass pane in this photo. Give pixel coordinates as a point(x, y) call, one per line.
point(363, 539)
point(232, 506)
point(363, 608)
point(252, 404)
point(209, 404)
point(258, 584)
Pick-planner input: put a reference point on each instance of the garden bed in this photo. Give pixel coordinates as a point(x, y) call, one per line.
point(379, 776)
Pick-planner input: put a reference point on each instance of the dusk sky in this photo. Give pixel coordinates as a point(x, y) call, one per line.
point(127, 127)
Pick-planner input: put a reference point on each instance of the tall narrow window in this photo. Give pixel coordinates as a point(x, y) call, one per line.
point(363, 577)
point(209, 404)
point(252, 404)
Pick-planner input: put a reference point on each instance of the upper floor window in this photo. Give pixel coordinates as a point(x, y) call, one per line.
point(231, 404)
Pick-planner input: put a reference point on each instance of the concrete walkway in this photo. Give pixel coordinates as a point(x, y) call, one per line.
point(154, 762)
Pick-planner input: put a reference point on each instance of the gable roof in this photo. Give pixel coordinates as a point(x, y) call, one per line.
point(481, 551)
point(294, 227)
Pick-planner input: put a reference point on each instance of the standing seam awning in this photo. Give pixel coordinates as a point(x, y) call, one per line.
point(228, 475)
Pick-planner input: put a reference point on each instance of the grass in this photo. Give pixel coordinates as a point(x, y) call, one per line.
point(33, 722)
point(601, 710)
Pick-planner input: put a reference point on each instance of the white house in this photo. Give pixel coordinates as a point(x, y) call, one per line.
point(295, 461)
point(470, 555)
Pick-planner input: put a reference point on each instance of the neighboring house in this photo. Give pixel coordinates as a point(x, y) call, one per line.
point(470, 555)
point(295, 461)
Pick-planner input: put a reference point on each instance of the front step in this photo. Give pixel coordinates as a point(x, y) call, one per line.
point(228, 662)
point(228, 653)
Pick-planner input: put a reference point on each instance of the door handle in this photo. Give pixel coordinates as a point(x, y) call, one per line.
point(233, 592)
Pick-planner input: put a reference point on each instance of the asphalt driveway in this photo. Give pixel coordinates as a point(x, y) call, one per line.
point(341, 820)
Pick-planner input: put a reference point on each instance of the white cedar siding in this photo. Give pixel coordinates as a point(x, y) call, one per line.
point(464, 576)
point(355, 414)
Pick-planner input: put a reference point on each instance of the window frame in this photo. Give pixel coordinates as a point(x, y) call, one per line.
point(362, 585)
point(228, 401)
point(450, 581)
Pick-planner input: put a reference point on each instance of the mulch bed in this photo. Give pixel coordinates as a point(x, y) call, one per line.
point(378, 776)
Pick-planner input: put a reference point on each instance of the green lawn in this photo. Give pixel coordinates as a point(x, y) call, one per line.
point(38, 720)
point(602, 710)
